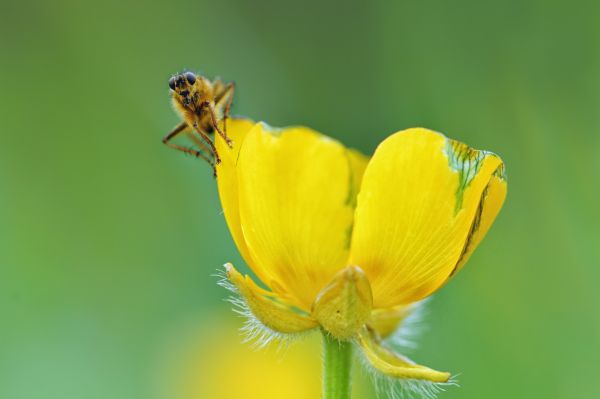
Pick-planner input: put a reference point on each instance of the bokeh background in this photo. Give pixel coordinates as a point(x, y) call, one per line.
point(108, 239)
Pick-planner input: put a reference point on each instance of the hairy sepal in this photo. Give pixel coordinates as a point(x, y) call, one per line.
point(267, 317)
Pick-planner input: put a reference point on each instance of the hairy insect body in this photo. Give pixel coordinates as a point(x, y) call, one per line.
point(203, 105)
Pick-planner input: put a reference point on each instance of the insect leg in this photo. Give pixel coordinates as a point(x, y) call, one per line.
point(213, 118)
point(208, 141)
point(199, 143)
point(229, 90)
point(176, 130)
point(180, 128)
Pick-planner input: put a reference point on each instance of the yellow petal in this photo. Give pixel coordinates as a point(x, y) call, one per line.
point(421, 196)
point(296, 197)
point(358, 164)
point(343, 306)
point(386, 321)
point(393, 364)
point(227, 179)
point(267, 308)
point(492, 199)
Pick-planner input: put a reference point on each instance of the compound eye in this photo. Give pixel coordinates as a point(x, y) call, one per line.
point(191, 78)
point(172, 83)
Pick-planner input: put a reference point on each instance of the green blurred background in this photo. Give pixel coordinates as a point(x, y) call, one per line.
point(108, 239)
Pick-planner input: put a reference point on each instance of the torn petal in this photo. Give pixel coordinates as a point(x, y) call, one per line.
point(424, 205)
point(267, 307)
point(343, 306)
point(393, 364)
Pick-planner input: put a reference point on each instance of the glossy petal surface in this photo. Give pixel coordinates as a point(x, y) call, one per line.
point(420, 211)
point(297, 193)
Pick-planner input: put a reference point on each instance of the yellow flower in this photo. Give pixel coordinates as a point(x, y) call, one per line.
point(350, 244)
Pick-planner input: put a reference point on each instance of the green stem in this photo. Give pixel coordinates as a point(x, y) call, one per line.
point(337, 365)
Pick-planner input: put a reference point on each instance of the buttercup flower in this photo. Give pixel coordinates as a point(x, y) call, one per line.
point(348, 244)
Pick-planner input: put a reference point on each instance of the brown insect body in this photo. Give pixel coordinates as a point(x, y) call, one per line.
point(203, 105)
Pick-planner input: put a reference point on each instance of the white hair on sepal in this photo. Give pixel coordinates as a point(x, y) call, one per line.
point(404, 338)
point(254, 331)
point(387, 387)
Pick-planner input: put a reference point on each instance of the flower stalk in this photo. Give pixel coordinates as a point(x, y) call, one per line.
point(337, 367)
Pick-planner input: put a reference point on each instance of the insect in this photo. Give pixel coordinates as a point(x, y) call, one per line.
point(203, 104)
